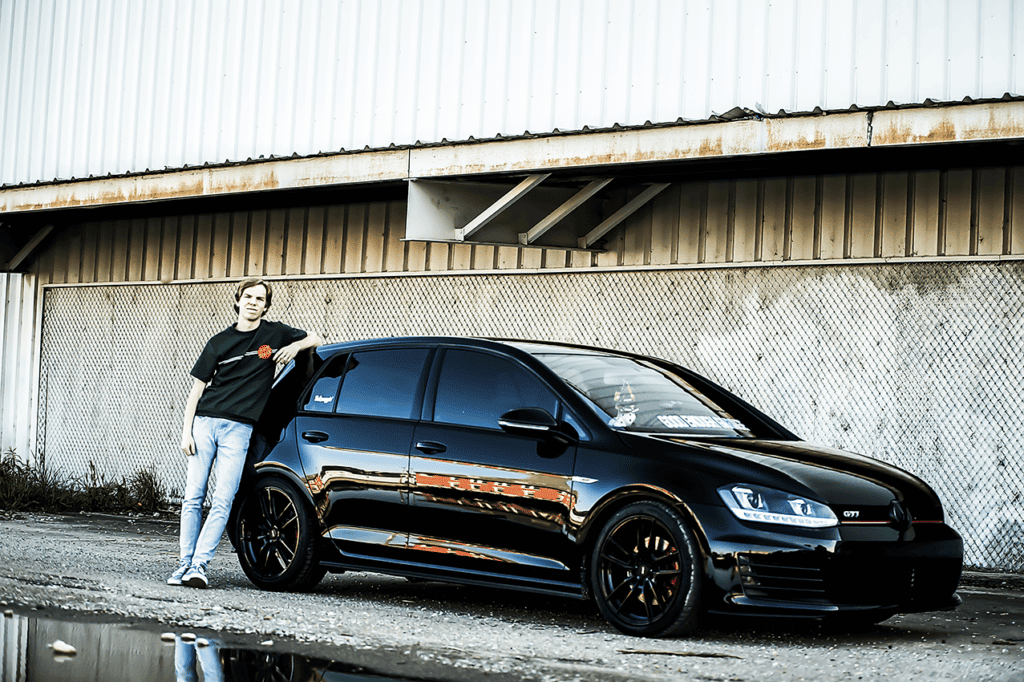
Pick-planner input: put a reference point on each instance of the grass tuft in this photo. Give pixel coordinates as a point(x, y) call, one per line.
point(37, 488)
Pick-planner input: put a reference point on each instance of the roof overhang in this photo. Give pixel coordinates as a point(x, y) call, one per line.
point(752, 136)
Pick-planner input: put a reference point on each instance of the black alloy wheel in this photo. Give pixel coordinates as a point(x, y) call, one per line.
point(277, 538)
point(645, 571)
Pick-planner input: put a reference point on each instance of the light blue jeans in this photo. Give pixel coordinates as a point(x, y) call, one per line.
point(185, 655)
point(220, 443)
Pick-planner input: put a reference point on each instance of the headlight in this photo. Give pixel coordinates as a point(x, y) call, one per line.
point(764, 505)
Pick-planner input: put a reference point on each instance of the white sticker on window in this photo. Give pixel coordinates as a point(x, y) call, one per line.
point(322, 398)
point(676, 421)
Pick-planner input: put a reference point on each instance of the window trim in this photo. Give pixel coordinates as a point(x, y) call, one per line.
point(307, 392)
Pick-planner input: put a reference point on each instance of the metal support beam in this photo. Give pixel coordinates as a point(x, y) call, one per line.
point(620, 215)
point(28, 248)
point(514, 195)
point(562, 211)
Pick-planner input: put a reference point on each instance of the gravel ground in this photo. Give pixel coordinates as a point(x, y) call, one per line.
point(102, 567)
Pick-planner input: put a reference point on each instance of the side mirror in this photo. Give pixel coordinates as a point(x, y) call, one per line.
point(533, 422)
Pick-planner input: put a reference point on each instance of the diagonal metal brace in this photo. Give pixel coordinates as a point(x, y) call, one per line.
point(513, 195)
point(562, 211)
point(620, 215)
point(27, 250)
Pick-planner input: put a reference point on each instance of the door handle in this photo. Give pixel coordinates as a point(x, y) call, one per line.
point(315, 436)
point(429, 447)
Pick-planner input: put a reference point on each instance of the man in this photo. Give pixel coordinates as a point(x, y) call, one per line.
point(232, 376)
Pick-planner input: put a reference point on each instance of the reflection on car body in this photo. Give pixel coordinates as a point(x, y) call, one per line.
point(579, 472)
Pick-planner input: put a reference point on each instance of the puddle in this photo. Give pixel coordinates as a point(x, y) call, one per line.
point(115, 653)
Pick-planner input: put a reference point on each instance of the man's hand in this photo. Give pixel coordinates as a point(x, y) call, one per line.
point(286, 354)
point(188, 443)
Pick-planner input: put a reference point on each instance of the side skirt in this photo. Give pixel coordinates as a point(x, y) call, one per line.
point(356, 562)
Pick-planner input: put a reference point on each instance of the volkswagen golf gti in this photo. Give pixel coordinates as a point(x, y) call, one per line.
point(579, 472)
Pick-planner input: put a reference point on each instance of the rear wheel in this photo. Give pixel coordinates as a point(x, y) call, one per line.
point(645, 571)
point(277, 538)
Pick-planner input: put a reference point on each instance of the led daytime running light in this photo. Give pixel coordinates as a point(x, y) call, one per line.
point(765, 505)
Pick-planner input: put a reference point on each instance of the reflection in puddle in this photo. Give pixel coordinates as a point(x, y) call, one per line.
point(111, 653)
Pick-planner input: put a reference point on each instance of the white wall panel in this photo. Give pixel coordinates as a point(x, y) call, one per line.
point(98, 87)
point(19, 322)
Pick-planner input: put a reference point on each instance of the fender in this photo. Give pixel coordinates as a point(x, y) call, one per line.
point(618, 498)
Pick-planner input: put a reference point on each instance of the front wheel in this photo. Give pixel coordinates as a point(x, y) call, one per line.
point(277, 538)
point(645, 571)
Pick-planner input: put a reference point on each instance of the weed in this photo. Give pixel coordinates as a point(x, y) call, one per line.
point(37, 488)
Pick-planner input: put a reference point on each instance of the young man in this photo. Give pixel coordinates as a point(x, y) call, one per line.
point(232, 381)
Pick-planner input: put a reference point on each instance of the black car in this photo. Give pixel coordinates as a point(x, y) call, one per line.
point(577, 472)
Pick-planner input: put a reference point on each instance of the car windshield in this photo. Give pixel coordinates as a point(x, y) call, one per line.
point(633, 395)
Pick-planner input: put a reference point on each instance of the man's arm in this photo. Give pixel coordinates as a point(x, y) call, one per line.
point(287, 354)
point(188, 444)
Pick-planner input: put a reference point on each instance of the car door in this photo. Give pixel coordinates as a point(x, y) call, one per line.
point(484, 499)
point(354, 432)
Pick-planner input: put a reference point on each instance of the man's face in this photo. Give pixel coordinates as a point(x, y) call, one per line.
point(253, 303)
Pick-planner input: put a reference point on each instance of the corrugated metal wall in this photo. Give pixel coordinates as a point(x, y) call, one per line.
point(893, 215)
point(19, 369)
point(115, 86)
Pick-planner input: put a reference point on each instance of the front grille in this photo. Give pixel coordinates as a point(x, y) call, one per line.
point(793, 576)
point(847, 579)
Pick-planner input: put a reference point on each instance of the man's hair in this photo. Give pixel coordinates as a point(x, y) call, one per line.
point(248, 284)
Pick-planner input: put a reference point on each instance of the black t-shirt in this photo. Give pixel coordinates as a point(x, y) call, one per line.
point(239, 367)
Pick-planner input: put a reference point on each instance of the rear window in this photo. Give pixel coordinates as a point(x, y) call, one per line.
point(377, 383)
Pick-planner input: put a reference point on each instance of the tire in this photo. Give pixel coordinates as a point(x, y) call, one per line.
point(277, 538)
point(646, 572)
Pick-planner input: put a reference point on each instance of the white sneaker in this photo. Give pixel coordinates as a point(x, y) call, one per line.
point(176, 577)
point(195, 577)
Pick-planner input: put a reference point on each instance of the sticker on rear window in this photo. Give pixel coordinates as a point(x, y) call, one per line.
point(678, 421)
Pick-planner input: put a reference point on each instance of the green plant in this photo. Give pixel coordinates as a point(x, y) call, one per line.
point(149, 495)
point(23, 487)
point(36, 488)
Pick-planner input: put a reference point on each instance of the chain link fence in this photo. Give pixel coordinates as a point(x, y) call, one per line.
point(914, 364)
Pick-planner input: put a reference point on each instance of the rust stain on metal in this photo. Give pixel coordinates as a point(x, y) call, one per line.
point(817, 141)
point(825, 132)
point(901, 132)
point(265, 179)
point(239, 179)
point(1000, 120)
point(711, 146)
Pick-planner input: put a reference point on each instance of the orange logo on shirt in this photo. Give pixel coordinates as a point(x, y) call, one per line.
point(265, 352)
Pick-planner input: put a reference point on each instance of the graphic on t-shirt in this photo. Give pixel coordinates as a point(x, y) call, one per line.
point(263, 353)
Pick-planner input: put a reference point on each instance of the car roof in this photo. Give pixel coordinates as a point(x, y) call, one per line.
point(530, 347)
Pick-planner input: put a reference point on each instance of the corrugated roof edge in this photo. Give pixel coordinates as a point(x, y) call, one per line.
point(734, 114)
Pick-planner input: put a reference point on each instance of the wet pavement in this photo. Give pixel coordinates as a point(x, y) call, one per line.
point(96, 583)
point(39, 649)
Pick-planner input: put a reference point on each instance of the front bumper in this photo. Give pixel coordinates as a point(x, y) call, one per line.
point(860, 571)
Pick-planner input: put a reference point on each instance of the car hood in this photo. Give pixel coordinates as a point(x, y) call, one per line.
point(843, 480)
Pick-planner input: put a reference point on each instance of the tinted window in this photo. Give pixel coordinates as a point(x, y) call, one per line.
point(475, 389)
point(382, 383)
point(637, 396)
point(322, 396)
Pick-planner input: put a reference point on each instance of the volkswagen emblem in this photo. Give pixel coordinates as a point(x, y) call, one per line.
point(900, 516)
